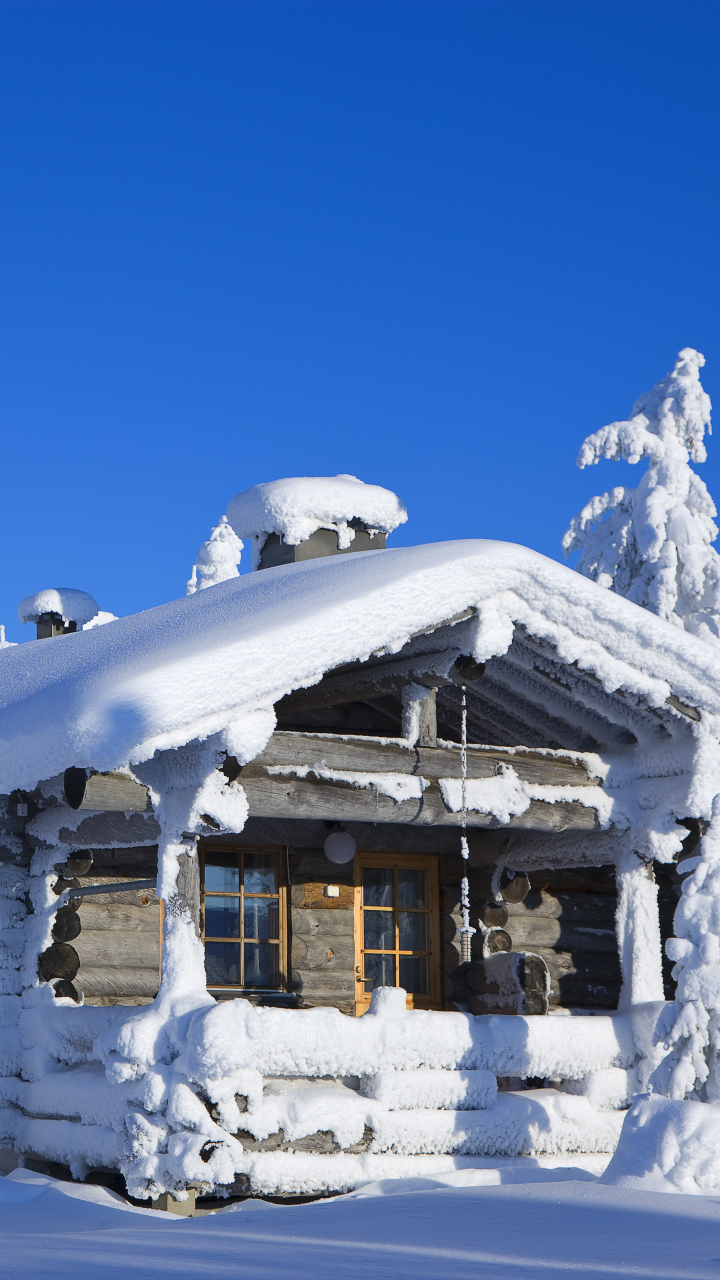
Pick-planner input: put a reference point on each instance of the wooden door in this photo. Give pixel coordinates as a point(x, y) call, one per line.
point(397, 933)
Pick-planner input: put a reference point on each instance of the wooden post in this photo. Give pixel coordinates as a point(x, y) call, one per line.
point(187, 886)
point(428, 720)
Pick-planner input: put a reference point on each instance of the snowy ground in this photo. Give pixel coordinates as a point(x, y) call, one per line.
point(526, 1230)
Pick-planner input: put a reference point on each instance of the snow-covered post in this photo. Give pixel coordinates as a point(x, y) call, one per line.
point(638, 932)
point(652, 544)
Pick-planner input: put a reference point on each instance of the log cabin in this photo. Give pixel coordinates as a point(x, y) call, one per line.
point(359, 865)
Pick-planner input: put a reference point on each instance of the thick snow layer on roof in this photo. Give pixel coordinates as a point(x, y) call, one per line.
point(72, 605)
point(194, 667)
point(297, 507)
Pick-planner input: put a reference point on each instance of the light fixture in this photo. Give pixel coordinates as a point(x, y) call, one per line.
point(340, 847)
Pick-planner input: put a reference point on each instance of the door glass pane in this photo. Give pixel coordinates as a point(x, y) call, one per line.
point(379, 972)
point(262, 918)
point(413, 931)
point(378, 883)
point(221, 873)
point(262, 964)
point(412, 888)
point(379, 930)
point(222, 963)
point(260, 873)
point(222, 917)
point(414, 974)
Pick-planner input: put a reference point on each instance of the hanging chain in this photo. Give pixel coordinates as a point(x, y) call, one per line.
point(466, 930)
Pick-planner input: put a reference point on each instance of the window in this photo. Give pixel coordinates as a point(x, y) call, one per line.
point(396, 928)
point(243, 919)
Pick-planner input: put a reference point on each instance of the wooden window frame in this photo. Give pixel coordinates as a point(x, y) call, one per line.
point(239, 849)
point(410, 862)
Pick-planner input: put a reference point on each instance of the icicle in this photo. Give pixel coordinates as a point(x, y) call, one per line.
point(466, 930)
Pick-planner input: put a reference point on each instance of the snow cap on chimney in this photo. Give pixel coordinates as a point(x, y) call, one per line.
point(284, 514)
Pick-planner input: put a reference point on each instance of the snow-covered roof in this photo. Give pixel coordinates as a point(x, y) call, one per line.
point(199, 665)
point(296, 508)
point(70, 604)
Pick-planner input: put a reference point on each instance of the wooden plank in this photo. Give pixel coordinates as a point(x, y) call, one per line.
point(287, 748)
point(292, 797)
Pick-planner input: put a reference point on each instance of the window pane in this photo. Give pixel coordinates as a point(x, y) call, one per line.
point(262, 918)
point(379, 930)
point(378, 883)
point(262, 965)
point(222, 917)
point(379, 972)
point(221, 873)
point(260, 873)
point(412, 888)
point(414, 974)
point(413, 931)
point(222, 963)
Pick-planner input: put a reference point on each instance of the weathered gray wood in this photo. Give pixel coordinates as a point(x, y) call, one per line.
point(114, 949)
point(94, 981)
point(109, 829)
point(287, 748)
point(579, 908)
point(104, 792)
point(545, 932)
point(292, 797)
point(323, 924)
point(187, 886)
point(128, 919)
point(327, 954)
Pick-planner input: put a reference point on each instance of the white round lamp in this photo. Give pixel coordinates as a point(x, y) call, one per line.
point(340, 847)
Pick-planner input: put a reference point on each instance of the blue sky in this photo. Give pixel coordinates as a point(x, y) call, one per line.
point(432, 243)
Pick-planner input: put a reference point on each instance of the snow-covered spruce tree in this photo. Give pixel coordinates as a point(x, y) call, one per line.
point(217, 560)
point(652, 544)
point(690, 1026)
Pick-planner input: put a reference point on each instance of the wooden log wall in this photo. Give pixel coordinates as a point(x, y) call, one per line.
point(119, 944)
point(322, 939)
point(567, 918)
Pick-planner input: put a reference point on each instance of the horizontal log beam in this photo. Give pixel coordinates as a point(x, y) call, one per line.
point(366, 755)
point(94, 981)
point(122, 917)
point(292, 797)
point(104, 792)
point(116, 949)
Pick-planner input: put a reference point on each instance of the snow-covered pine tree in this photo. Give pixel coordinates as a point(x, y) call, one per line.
point(652, 544)
point(217, 560)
